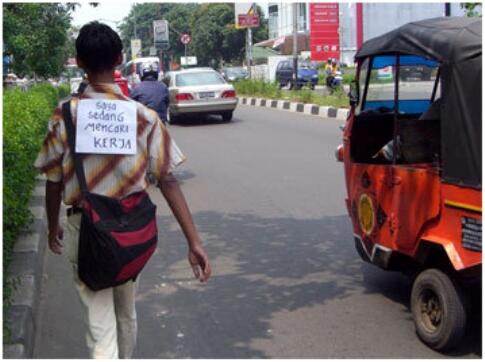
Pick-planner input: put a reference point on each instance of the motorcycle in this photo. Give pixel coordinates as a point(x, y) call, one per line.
point(334, 82)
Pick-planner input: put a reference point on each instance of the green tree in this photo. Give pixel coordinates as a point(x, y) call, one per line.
point(216, 37)
point(142, 16)
point(36, 35)
point(471, 9)
point(211, 27)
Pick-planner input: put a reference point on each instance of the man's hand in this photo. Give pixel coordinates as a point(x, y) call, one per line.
point(200, 263)
point(54, 240)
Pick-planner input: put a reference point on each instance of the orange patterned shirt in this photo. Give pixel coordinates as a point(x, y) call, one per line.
point(111, 175)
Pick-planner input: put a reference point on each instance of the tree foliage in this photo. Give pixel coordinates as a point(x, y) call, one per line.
point(36, 35)
point(471, 9)
point(211, 26)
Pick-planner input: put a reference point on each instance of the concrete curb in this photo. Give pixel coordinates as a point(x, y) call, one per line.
point(339, 114)
point(25, 271)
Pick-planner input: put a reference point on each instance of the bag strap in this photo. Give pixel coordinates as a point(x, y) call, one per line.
point(71, 138)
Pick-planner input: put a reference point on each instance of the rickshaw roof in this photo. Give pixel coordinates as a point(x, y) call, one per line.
point(456, 43)
point(445, 39)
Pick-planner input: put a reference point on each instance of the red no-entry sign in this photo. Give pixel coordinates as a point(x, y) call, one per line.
point(185, 39)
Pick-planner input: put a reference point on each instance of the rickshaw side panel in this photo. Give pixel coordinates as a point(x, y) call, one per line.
point(460, 208)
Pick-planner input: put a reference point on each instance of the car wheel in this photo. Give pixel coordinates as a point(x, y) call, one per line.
point(171, 119)
point(438, 309)
point(227, 116)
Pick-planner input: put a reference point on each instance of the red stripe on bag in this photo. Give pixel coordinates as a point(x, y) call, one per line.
point(131, 201)
point(133, 268)
point(91, 212)
point(140, 236)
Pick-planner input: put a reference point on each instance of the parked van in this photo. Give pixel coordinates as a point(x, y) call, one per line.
point(132, 69)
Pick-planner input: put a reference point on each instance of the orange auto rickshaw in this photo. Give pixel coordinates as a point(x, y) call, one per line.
point(412, 151)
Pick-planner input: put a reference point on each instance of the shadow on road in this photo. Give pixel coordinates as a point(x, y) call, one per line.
point(203, 120)
point(261, 266)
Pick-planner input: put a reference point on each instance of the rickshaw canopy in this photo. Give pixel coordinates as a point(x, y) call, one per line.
point(456, 43)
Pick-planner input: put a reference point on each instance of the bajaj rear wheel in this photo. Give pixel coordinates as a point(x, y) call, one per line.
point(438, 309)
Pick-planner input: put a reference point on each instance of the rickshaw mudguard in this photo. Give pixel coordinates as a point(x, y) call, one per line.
point(458, 228)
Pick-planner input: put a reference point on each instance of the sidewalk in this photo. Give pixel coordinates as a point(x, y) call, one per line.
point(339, 114)
point(25, 270)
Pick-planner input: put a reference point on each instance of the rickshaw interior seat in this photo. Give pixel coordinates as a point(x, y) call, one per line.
point(420, 140)
point(371, 131)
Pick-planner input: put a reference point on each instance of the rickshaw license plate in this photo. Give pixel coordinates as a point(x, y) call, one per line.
point(471, 233)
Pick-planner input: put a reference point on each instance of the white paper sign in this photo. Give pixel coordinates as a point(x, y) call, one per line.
point(106, 126)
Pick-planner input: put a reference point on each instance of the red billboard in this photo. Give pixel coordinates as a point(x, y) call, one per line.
point(324, 31)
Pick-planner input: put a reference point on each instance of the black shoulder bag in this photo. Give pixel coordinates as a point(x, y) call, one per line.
point(116, 237)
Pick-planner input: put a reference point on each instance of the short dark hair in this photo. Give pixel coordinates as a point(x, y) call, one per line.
point(98, 46)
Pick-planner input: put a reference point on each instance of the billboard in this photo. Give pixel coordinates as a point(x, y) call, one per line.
point(160, 34)
point(246, 15)
point(135, 48)
point(324, 31)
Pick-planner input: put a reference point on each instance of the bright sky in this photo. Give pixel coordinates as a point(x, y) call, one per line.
point(108, 12)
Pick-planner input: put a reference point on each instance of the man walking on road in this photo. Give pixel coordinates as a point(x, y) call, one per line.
point(151, 92)
point(110, 313)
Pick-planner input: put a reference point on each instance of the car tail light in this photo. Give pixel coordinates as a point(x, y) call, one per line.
point(229, 94)
point(183, 97)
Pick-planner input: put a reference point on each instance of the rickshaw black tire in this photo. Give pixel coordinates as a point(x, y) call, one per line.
point(436, 287)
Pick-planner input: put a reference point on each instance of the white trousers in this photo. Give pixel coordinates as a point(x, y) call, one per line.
point(109, 314)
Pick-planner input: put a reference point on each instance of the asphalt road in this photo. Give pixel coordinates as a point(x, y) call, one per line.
point(268, 199)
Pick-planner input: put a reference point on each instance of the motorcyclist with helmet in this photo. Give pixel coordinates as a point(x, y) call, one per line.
point(331, 69)
point(151, 92)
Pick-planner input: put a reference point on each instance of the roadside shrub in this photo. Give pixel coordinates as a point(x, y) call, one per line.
point(25, 117)
point(63, 91)
point(258, 88)
point(348, 78)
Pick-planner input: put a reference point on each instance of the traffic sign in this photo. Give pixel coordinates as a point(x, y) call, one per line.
point(248, 21)
point(185, 39)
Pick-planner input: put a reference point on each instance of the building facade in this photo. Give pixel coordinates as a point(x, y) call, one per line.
point(356, 23)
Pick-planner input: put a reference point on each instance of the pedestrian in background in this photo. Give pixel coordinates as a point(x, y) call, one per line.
point(110, 313)
point(151, 92)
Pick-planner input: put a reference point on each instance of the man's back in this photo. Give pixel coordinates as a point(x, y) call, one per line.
point(152, 94)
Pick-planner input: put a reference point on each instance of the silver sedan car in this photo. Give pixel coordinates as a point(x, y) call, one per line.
point(199, 91)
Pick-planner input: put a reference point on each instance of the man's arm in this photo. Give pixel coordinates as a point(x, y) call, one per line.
point(175, 198)
point(53, 192)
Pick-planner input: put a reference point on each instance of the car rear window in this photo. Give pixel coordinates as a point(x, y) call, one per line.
point(202, 78)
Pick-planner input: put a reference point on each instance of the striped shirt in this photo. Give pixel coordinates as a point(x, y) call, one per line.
point(114, 176)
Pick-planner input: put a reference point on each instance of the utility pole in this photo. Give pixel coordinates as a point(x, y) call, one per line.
point(447, 9)
point(249, 49)
point(134, 16)
point(295, 45)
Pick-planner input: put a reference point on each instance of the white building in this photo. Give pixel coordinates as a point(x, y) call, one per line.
point(375, 19)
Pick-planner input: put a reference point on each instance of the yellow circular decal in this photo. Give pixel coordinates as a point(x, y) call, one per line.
point(366, 214)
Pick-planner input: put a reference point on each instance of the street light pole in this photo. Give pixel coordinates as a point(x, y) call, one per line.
point(295, 45)
point(134, 16)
